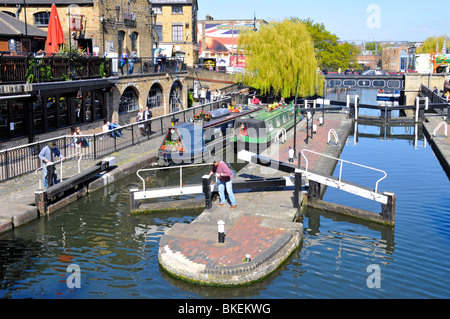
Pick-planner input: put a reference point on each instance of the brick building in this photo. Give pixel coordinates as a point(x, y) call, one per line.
point(111, 26)
point(176, 29)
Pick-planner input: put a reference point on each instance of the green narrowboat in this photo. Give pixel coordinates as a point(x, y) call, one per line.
point(264, 127)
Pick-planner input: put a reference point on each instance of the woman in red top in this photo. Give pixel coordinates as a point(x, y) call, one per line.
point(225, 176)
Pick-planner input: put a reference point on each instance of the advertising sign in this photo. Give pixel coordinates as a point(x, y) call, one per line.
point(241, 61)
point(222, 38)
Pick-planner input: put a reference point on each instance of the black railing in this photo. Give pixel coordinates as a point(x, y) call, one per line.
point(31, 69)
point(146, 65)
point(24, 159)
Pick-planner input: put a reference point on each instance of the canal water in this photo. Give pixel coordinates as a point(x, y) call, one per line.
point(117, 253)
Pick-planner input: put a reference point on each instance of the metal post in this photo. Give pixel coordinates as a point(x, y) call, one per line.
point(417, 110)
point(388, 210)
point(206, 183)
point(134, 204)
point(298, 188)
point(295, 125)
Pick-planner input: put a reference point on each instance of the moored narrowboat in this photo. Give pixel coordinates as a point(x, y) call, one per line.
point(201, 139)
point(263, 128)
point(183, 144)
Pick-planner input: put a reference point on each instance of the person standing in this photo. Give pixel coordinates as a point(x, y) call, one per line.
point(147, 117)
point(225, 176)
point(203, 96)
point(47, 155)
point(123, 60)
point(140, 118)
point(208, 96)
point(132, 61)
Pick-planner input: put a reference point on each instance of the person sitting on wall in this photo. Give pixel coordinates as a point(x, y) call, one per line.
point(113, 127)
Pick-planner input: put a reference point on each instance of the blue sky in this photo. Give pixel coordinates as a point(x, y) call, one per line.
point(375, 20)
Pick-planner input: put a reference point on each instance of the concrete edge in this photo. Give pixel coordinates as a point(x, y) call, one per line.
point(244, 274)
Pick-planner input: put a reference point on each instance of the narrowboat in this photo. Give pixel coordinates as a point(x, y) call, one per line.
point(388, 96)
point(205, 136)
point(183, 144)
point(266, 126)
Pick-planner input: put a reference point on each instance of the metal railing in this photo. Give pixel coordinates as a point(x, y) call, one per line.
point(146, 65)
point(341, 161)
point(61, 161)
point(31, 69)
point(24, 159)
point(165, 168)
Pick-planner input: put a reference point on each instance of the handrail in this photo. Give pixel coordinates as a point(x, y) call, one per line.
point(344, 161)
point(283, 134)
point(335, 136)
point(164, 168)
point(439, 126)
point(61, 168)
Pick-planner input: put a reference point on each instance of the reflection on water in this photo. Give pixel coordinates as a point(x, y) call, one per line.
point(117, 252)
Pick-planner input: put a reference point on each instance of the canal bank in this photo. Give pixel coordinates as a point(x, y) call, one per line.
point(17, 197)
point(261, 233)
point(438, 141)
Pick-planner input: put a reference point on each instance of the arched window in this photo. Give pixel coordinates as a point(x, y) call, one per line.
point(176, 97)
point(134, 41)
point(121, 41)
point(41, 18)
point(10, 13)
point(155, 97)
point(128, 101)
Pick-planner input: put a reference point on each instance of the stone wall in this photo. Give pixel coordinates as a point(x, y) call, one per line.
point(413, 81)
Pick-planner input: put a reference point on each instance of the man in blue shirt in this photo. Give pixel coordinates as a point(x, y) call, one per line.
point(47, 155)
point(113, 126)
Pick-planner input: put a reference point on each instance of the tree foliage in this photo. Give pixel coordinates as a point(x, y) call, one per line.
point(331, 54)
point(280, 56)
point(429, 46)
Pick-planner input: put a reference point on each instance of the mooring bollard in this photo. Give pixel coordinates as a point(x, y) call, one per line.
point(221, 230)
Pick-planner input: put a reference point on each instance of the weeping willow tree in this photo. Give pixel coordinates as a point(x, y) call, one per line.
point(280, 56)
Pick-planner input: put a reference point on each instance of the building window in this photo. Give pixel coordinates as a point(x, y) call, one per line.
point(159, 32)
point(157, 9)
point(177, 9)
point(177, 33)
point(134, 41)
point(41, 18)
point(403, 63)
point(128, 101)
point(121, 41)
point(154, 97)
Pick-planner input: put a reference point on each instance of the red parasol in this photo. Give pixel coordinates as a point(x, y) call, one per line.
point(55, 34)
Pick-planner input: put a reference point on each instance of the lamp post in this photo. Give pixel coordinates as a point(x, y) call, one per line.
point(295, 120)
point(26, 26)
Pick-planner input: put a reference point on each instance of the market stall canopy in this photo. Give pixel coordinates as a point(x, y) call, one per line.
point(55, 34)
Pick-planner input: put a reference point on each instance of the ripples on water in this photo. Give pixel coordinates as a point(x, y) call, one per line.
point(117, 252)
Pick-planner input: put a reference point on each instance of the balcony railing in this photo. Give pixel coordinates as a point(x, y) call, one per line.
point(20, 69)
point(146, 65)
